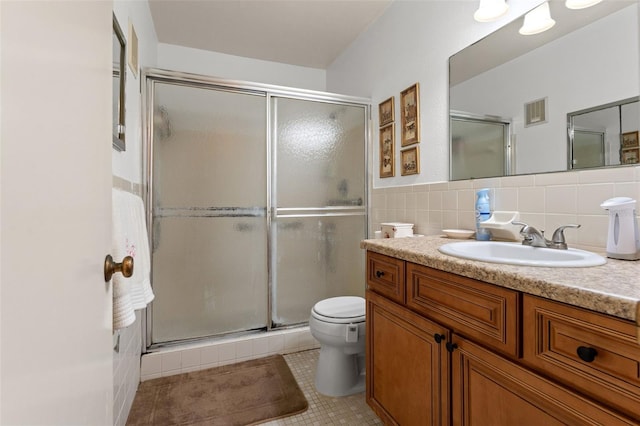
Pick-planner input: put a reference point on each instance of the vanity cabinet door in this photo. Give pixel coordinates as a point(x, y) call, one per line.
point(594, 353)
point(490, 390)
point(407, 369)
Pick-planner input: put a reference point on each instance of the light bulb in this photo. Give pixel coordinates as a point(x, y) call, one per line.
point(538, 20)
point(490, 10)
point(581, 4)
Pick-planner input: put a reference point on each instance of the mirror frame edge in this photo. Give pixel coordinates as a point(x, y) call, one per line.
point(118, 137)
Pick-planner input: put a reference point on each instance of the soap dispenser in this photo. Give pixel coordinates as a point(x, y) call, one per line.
point(623, 241)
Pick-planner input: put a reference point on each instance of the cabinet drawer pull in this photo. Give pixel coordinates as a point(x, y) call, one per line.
point(439, 337)
point(587, 354)
point(379, 274)
point(451, 346)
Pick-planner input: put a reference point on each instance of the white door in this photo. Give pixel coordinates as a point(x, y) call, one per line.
point(56, 355)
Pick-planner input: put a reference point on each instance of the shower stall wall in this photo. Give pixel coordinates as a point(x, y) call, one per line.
point(257, 202)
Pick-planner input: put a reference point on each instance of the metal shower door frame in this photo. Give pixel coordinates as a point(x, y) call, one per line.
point(151, 76)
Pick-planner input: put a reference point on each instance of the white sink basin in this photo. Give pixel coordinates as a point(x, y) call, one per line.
point(518, 254)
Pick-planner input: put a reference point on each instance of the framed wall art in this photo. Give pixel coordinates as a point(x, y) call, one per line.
point(410, 161)
point(630, 156)
point(387, 151)
point(386, 112)
point(630, 140)
point(410, 112)
point(133, 50)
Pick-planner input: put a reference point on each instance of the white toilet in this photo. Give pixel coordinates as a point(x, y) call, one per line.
point(338, 323)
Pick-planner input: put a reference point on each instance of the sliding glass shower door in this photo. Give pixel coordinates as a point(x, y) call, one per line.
point(319, 203)
point(209, 212)
point(258, 207)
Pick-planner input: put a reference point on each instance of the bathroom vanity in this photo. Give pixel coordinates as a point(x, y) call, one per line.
point(452, 341)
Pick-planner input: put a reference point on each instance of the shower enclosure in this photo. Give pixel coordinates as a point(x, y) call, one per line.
point(257, 203)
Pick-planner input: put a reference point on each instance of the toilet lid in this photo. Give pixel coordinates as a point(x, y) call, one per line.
point(340, 309)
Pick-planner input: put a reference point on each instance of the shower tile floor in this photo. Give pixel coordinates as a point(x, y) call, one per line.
point(323, 410)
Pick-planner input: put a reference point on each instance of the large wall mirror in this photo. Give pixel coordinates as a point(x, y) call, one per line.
point(589, 61)
point(118, 92)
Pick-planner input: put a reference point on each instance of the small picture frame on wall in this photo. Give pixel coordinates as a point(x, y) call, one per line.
point(630, 140)
point(386, 111)
point(133, 50)
point(410, 161)
point(410, 115)
point(630, 156)
point(387, 151)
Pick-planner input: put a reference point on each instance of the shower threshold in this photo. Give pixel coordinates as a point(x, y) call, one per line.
point(172, 358)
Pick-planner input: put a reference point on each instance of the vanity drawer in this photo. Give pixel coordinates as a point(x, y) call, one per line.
point(385, 275)
point(593, 353)
point(484, 312)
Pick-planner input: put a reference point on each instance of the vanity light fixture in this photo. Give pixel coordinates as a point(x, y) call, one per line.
point(537, 21)
point(490, 10)
point(581, 4)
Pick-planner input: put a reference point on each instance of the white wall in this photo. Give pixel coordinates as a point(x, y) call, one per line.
point(410, 43)
point(127, 170)
point(178, 58)
point(596, 55)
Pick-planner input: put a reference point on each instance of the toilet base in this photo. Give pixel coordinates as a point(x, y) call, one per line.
point(340, 374)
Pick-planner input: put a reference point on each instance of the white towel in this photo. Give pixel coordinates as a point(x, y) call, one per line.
point(141, 293)
point(123, 312)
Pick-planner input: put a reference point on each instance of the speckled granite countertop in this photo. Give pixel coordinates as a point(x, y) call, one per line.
point(613, 288)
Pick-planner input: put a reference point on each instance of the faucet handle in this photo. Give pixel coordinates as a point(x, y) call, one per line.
point(525, 226)
point(515, 222)
point(525, 231)
point(558, 240)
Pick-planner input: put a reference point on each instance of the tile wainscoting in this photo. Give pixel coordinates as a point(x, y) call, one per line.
point(545, 201)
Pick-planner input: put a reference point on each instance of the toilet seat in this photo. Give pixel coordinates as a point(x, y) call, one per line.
point(340, 310)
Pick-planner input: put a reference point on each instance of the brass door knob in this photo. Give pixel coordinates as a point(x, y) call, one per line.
point(111, 267)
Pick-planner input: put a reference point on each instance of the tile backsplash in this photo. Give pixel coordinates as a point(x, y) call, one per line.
point(545, 201)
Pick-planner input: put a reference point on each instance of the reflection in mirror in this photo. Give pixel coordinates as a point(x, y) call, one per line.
point(589, 58)
point(118, 111)
point(480, 146)
point(596, 134)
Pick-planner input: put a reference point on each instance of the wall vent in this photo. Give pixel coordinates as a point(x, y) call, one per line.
point(535, 112)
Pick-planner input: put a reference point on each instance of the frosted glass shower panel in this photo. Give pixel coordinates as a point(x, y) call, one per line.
point(204, 141)
point(317, 258)
point(319, 180)
point(209, 212)
point(588, 149)
point(209, 276)
point(320, 153)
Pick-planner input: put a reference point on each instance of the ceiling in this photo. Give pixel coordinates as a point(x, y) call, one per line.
point(310, 33)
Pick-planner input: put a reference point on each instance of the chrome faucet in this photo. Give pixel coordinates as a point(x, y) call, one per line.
point(534, 238)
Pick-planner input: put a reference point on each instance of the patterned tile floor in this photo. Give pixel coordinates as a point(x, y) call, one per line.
point(323, 410)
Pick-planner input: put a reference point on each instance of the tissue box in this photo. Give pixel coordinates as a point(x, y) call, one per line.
point(396, 229)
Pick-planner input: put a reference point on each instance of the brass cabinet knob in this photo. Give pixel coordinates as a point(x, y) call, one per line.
point(111, 267)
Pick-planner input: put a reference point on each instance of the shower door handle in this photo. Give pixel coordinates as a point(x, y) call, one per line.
point(111, 267)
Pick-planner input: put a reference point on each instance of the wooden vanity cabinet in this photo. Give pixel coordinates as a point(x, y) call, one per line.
point(594, 353)
point(449, 351)
point(385, 275)
point(484, 312)
point(406, 364)
point(489, 390)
